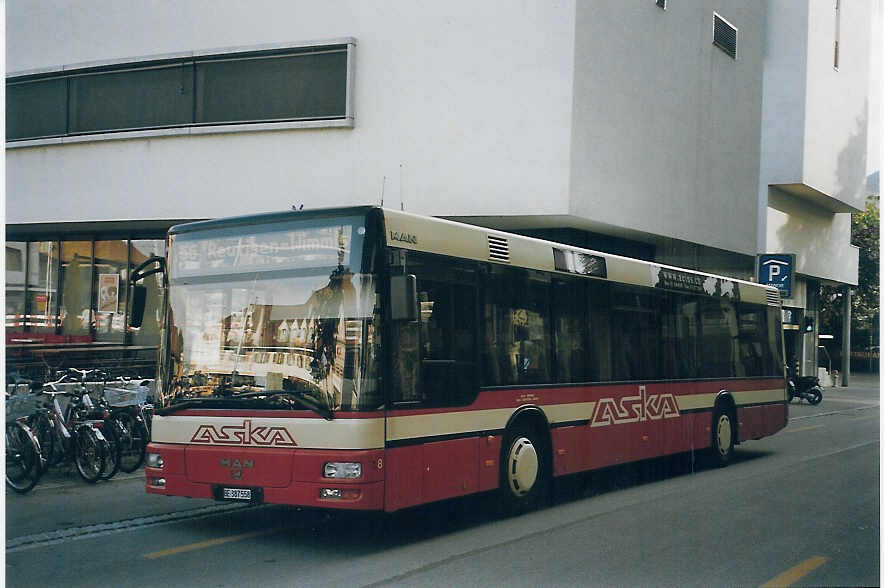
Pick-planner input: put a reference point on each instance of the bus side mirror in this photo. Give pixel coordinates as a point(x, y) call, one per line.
point(403, 298)
point(150, 266)
point(139, 299)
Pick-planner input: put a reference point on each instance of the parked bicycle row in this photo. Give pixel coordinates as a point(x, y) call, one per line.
point(101, 426)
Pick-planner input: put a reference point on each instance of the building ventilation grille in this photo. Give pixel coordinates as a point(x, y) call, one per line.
point(773, 297)
point(724, 36)
point(498, 249)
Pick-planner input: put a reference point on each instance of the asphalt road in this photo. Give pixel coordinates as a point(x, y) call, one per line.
point(801, 507)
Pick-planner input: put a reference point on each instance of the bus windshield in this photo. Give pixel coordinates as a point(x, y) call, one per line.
point(280, 314)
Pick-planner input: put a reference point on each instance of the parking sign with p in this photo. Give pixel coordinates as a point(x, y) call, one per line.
point(776, 269)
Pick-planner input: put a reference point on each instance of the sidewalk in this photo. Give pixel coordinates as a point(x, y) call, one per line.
point(862, 393)
point(861, 382)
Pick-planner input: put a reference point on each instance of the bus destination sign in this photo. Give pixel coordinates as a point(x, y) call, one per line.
point(201, 254)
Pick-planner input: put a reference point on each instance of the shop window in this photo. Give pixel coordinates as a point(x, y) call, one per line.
point(42, 296)
point(75, 285)
point(15, 285)
point(109, 289)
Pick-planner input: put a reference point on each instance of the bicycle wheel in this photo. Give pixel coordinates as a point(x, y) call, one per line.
point(23, 462)
point(44, 429)
point(90, 450)
point(109, 430)
point(133, 440)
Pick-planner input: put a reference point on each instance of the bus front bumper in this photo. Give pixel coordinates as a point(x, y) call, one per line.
point(266, 475)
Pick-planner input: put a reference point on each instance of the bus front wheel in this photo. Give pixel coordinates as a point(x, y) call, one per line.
point(524, 471)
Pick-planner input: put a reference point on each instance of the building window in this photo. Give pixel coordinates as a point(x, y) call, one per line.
point(724, 35)
point(289, 84)
point(15, 285)
point(76, 291)
point(42, 293)
point(140, 98)
point(110, 268)
point(837, 30)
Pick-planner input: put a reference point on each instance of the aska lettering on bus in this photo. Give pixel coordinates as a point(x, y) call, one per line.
point(244, 434)
point(633, 409)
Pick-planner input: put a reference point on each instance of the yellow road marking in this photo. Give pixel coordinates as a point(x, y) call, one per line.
point(205, 544)
point(799, 429)
point(792, 575)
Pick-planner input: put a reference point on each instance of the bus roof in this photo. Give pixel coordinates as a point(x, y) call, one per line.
point(434, 235)
point(445, 237)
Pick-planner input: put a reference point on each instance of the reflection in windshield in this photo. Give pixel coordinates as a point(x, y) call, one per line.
point(310, 330)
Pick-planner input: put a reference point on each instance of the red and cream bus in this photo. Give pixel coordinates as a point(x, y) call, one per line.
point(365, 358)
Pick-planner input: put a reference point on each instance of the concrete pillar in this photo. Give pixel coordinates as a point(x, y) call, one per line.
point(845, 338)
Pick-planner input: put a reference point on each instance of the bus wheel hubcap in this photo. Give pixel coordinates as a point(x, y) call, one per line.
point(724, 434)
point(522, 466)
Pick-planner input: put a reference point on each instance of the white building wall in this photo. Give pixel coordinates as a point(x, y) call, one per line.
point(785, 86)
point(465, 108)
point(815, 133)
point(837, 101)
point(820, 239)
point(666, 131)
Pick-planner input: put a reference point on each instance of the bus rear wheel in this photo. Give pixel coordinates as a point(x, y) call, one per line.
point(723, 434)
point(524, 475)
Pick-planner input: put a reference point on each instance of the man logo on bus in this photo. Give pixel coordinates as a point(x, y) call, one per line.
point(244, 434)
point(632, 409)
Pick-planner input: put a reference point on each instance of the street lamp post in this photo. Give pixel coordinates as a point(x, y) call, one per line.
point(845, 338)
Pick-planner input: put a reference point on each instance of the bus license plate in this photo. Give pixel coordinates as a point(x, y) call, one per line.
point(236, 494)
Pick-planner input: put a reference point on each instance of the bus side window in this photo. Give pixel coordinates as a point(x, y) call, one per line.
point(636, 341)
point(774, 348)
point(680, 326)
point(434, 358)
point(406, 361)
point(600, 356)
point(720, 350)
point(569, 309)
point(518, 338)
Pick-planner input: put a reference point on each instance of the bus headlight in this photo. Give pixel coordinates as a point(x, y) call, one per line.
point(342, 469)
point(154, 460)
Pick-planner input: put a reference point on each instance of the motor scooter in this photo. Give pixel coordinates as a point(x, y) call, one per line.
point(806, 387)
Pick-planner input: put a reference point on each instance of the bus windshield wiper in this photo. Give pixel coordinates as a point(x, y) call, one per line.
point(257, 400)
point(300, 396)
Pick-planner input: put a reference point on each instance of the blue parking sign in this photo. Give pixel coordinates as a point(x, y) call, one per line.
point(776, 269)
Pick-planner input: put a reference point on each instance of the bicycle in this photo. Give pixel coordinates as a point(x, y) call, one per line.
point(131, 413)
point(72, 437)
point(24, 460)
